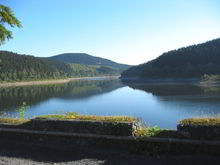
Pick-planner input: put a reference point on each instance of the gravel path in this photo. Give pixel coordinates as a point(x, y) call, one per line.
point(16, 153)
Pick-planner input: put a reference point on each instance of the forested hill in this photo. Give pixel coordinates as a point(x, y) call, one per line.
point(188, 62)
point(15, 67)
point(82, 58)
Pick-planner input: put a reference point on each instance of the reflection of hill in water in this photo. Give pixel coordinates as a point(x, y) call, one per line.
point(88, 88)
point(168, 90)
point(14, 96)
point(180, 91)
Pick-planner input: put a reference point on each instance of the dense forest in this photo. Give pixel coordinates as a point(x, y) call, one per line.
point(188, 62)
point(15, 67)
point(83, 58)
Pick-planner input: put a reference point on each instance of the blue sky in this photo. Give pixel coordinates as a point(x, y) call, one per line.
point(126, 31)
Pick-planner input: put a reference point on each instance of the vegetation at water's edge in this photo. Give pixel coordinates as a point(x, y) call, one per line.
point(71, 116)
point(148, 131)
point(139, 132)
point(15, 121)
point(187, 62)
point(76, 116)
point(22, 110)
point(205, 128)
point(206, 121)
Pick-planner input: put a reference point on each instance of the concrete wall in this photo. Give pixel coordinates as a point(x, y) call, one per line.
point(79, 126)
point(200, 131)
point(152, 146)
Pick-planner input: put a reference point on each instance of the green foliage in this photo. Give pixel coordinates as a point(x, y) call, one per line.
point(14, 67)
point(188, 62)
point(209, 121)
point(148, 131)
point(77, 116)
point(14, 121)
point(71, 113)
point(23, 108)
point(7, 16)
point(86, 59)
point(106, 70)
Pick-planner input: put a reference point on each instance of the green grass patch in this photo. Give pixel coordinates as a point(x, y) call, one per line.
point(76, 116)
point(209, 121)
point(14, 121)
point(148, 131)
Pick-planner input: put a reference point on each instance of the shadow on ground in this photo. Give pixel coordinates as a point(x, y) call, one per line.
point(43, 153)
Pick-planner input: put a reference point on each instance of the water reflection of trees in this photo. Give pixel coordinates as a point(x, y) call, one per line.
point(15, 96)
point(176, 89)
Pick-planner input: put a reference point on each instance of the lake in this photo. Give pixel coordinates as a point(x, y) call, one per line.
point(162, 105)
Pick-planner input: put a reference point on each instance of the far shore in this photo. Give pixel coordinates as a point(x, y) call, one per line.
point(159, 81)
point(140, 81)
point(46, 82)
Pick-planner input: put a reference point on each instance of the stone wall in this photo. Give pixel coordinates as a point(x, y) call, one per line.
point(79, 126)
point(207, 132)
point(129, 144)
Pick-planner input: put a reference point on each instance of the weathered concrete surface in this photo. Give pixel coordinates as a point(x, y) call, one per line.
point(21, 152)
point(78, 126)
point(145, 146)
point(207, 132)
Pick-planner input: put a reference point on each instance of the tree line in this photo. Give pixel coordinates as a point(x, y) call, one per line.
point(187, 62)
point(15, 67)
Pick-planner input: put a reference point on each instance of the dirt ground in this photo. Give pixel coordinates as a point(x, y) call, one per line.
point(45, 82)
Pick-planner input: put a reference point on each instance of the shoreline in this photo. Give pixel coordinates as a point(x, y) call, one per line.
point(160, 81)
point(164, 81)
point(47, 82)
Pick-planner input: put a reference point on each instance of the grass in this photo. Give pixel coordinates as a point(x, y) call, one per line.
point(209, 121)
point(69, 116)
point(76, 116)
point(148, 131)
point(22, 109)
point(14, 121)
point(140, 132)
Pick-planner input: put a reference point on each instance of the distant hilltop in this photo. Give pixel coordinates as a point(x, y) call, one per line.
point(16, 67)
point(187, 62)
point(86, 59)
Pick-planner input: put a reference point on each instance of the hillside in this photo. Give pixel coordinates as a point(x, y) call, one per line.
point(15, 67)
point(188, 62)
point(86, 59)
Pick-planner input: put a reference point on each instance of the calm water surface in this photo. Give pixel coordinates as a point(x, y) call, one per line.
point(161, 105)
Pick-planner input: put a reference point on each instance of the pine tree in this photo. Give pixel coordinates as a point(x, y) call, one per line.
point(7, 17)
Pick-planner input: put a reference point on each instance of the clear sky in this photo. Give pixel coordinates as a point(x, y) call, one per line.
point(126, 31)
